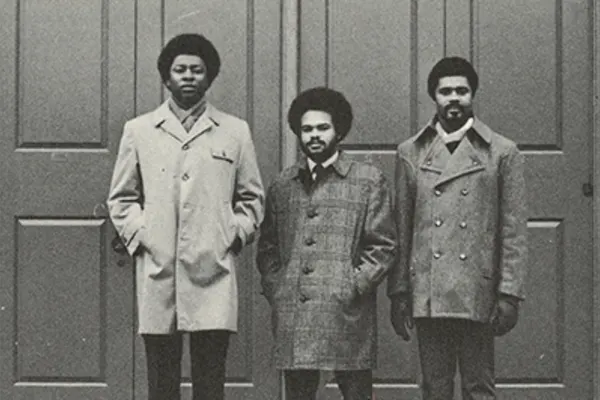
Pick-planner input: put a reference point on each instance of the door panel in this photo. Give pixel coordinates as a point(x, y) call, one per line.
point(66, 308)
point(246, 34)
point(535, 74)
point(541, 97)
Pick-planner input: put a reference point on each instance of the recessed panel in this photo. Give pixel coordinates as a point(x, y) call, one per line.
point(517, 58)
point(61, 67)
point(533, 351)
point(60, 321)
point(369, 56)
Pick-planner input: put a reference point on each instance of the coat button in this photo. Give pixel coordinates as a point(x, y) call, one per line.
point(438, 192)
point(438, 222)
point(309, 241)
point(463, 224)
point(186, 147)
point(185, 177)
point(428, 162)
point(475, 162)
point(307, 270)
point(464, 192)
point(462, 256)
point(312, 213)
point(437, 255)
point(303, 298)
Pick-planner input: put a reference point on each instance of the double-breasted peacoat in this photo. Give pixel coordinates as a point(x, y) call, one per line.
point(321, 253)
point(461, 221)
point(178, 200)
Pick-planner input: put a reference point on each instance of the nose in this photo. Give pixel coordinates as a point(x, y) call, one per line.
point(187, 74)
point(454, 97)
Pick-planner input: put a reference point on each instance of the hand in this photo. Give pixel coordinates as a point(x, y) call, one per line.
point(401, 315)
point(505, 315)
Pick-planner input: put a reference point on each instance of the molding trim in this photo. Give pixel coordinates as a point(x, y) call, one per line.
point(290, 45)
point(596, 183)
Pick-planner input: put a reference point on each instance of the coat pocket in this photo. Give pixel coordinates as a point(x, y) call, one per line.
point(227, 225)
point(222, 155)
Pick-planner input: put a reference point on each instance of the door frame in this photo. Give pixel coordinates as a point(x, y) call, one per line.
point(595, 133)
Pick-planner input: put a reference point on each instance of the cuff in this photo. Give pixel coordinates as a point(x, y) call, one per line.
point(134, 242)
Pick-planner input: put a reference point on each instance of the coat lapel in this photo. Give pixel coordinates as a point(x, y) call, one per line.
point(437, 157)
point(165, 120)
point(466, 159)
point(206, 122)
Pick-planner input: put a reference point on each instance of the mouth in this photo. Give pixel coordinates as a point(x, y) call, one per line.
point(188, 88)
point(454, 111)
point(315, 146)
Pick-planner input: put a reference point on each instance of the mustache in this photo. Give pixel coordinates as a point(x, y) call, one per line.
point(454, 105)
point(315, 141)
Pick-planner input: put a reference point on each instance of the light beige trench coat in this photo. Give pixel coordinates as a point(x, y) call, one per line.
point(178, 200)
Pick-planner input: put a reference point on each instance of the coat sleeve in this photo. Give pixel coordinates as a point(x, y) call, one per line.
point(378, 240)
point(399, 276)
point(125, 194)
point(267, 256)
point(249, 193)
point(513, 225)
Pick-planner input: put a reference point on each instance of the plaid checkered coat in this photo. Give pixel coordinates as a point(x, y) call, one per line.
point(322, 251)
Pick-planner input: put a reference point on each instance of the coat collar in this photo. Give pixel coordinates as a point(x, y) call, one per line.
point(478, 127)
point(163, 118)
point(467, 158)
point(341, 166)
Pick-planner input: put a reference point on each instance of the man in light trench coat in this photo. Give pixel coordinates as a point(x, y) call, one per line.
point(185, 197)
point(461, 217)
point(327, 241)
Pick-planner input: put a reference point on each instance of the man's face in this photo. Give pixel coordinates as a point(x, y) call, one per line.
point(454, 100)
point(318, 138)
point(187, 81)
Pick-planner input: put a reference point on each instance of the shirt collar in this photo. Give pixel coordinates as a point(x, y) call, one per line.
point(479, 127)
point(164, 112)
point(196, 110)
point(340, 164)
point(327, 163)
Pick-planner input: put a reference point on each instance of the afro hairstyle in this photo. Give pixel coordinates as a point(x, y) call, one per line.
point(322, 99)
point(191, 44)
point(451, 66)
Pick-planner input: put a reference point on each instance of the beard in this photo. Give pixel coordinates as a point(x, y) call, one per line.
point(454, 116)
point(454, 112)
point(318, 150)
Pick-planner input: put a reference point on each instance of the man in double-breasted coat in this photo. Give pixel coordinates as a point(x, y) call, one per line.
point(185, 197)
point(326, 242)
point(461, 218)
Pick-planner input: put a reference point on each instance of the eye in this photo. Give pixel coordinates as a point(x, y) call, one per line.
point(198, 70)
point(323, 127)
point(306, 128)
point(178, 69)
point(445, 91)
point(462, 91)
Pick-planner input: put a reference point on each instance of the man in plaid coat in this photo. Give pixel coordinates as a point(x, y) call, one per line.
point(326, 242)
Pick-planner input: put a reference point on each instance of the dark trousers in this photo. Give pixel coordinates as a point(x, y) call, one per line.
point(303, 384)
point(443, 342)
point(208, 352)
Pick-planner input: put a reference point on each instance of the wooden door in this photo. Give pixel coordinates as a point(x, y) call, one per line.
point(535, 65)
point(246, 34)
point(66, 307)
